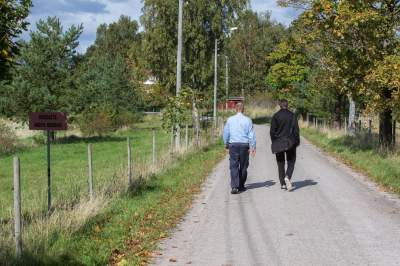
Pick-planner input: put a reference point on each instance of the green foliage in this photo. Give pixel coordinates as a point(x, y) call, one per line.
point(12, 23)
point(257, 35)
point(178, 110)
point(107, 94)
point(203, 22)
point(105, 80)
point(97, 122)
point(43, 81)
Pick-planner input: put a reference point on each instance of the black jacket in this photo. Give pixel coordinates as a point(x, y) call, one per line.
point(280, 126)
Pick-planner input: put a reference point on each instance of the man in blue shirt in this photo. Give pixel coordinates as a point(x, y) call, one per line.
point(240, 141)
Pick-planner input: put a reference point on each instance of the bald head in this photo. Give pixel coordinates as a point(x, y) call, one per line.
point(239, 107)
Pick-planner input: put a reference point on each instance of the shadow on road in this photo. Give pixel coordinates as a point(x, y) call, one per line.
point(305, 183)
point(265, 184)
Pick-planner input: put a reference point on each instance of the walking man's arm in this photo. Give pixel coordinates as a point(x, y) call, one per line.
point(226, 135)
point(252, 140)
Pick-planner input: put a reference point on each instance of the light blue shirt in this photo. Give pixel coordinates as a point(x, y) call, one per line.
point(239, 129)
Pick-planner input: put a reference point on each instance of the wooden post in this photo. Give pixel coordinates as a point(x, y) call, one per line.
point(370, 128)
point(90, 168)
point(154, 147)
point(186, 137)
point(17, 207)
point(197, 136)
point(394, 132)
point(129, 162)
point(172, 141)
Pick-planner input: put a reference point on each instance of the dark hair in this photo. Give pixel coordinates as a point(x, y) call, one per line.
point(283, 103)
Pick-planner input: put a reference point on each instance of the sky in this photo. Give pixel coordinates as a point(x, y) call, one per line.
point(92, 13)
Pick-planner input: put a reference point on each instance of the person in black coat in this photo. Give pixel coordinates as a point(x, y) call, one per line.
point(285, 136)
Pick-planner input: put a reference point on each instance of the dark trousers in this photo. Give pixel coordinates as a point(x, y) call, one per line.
point(291, 161)
point(238, 164)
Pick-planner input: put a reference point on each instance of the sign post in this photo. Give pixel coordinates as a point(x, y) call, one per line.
point(48, 121)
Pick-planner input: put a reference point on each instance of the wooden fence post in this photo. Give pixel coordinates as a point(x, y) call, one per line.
point(129, 162)
point(90, 168)
point(17, 208)
point(187, 137)
point(154, 147)
point(370, 128)
point(172, 141)
point(394, 132)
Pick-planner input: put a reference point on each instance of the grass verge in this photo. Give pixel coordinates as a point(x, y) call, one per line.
point(360, 153)
point(127, 231)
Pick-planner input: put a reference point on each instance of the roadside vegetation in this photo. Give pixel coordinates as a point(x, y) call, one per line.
point(127, 230)
point(360, 152)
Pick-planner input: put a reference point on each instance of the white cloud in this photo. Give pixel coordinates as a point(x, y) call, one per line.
point(92, 13)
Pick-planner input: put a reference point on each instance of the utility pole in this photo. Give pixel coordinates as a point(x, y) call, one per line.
point(215, 82)
point(227, 81)
point(179, 66)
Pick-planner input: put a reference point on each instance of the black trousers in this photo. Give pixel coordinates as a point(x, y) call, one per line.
point(291, 161)
point(238, 164)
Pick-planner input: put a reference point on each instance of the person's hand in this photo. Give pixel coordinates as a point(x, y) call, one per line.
point(253, 152)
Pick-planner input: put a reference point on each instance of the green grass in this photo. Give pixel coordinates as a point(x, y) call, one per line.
point(69, 169)
point(128, 230)
point(361, 153)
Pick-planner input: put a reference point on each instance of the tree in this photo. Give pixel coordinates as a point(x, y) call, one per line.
point(204, 21)
point(255, 37)
point(12, 22)
point(43, 77)
point(357, 35)
point(107, 91)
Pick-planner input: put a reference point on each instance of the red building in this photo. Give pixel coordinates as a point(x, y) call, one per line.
point(230, 103)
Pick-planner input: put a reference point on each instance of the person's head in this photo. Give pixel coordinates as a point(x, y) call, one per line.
point(239, 107)
point(283, 104)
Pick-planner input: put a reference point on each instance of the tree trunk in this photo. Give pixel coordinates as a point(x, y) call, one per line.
point(352, 117)
point(386, 129)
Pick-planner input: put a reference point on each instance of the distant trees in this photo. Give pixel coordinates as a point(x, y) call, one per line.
point(247, 47)
point(204, 21)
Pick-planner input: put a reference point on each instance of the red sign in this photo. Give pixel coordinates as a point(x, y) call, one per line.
point(48, 121)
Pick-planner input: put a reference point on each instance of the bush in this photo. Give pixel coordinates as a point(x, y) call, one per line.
point(8, 139)
point(104, 121)
point(127, 119)
point(96, 123)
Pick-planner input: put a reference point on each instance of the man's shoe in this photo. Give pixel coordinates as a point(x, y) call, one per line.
point(288, 184)
point(242, 189)
point(284, 187)
point(235, 191)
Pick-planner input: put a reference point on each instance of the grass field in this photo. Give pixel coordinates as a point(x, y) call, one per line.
point(127, 231)
point(46, 239)
point(362, 154)
point(69, 169)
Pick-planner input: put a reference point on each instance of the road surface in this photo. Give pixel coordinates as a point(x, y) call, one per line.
point(334, 217)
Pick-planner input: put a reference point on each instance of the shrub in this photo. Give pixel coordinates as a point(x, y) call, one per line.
point(127, 119)
point(8, 139)
point(98, 122)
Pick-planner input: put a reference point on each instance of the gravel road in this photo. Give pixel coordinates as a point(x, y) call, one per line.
point(333, 217)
